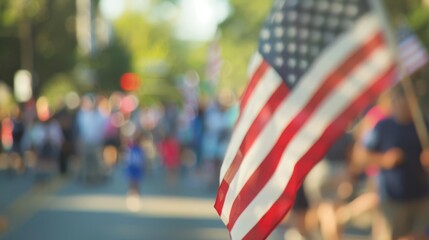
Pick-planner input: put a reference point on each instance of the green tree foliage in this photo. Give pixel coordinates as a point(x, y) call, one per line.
point(109, 64)
point(144, 45)
point(413, 12)
point(154, 54)
point(60, 85)
point(239, 40)
point(416, 14)
point(9, 40)
point(148, 43)
point(51, 38)
point(240, 32)
point(55, 41)
point(9, 58)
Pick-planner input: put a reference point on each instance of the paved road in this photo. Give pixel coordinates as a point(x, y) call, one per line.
point(65, 209)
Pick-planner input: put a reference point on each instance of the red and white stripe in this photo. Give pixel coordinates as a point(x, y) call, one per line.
point(282, 134)
point(412, 54)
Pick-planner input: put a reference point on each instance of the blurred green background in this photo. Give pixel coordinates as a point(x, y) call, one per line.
point(84, 45)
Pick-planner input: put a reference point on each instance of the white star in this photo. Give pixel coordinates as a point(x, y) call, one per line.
point(291, 62)
point(352, 10)
point(279, 47)
point(280, 3)
point(318, 20)
point(316, 36)
point(278, 61)
point(290, 3)
point(336, 7)
point(278, 32)
point(291, 78)
point(304, 33)
point(333, 22)
point(291, 32)
point(322, 5)
point(266, 48)
point(291, 47)
point(308, 4)
point(305, 18)
point(303, 49)
point(278, 17)
point(292, 16)
point(265, 34)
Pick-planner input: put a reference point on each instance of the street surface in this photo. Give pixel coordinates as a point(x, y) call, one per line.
point(66, 209)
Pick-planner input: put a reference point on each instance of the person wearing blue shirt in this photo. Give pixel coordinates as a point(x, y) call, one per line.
point(135, 164)
point(403, 183)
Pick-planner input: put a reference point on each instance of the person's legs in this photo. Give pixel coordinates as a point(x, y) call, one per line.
point(420, 228)
point(91, 160)
point(328, 222)
point(358, 206)
point(315, 181)
point(398, 218)
point(84, 162)
point(134, 187)
point(94, 162)
point(301, 209)
point(380, 229)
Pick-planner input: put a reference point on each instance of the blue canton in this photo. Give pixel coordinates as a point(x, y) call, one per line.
point(297, 31)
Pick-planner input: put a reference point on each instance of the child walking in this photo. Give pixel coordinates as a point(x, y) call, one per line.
point(135, 162)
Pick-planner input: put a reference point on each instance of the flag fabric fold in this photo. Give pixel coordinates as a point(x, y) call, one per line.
point(412, 55)
point(318, 64)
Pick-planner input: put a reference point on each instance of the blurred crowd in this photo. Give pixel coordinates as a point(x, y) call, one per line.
point(374, 177)
point(89, 136)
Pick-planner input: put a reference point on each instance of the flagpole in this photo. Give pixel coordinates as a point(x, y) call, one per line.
point(418, 118)
point(416, 112)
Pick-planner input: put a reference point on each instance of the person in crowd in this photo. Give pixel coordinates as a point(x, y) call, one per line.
point(17, 153)
point(219, 120)
point(135, 164)
point(169, 149)
point(53, 140)
point(45, 139)
point(91, 125)
point(169, 121)
point(197, 126)
point(296, 224)
point(112, 142)
point(324, 189)
point(66, 119)
point(403, 184)
point(364, 174)
point(7, 140)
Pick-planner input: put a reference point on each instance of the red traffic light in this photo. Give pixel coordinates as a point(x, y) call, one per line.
point(130, 81)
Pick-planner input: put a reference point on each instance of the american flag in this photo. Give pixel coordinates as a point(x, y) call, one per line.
point(318, 64)
point(411, 52)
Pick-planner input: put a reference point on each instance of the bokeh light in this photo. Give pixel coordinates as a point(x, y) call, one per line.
point(72, 100)
point(130, 81)
point(42, 107)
